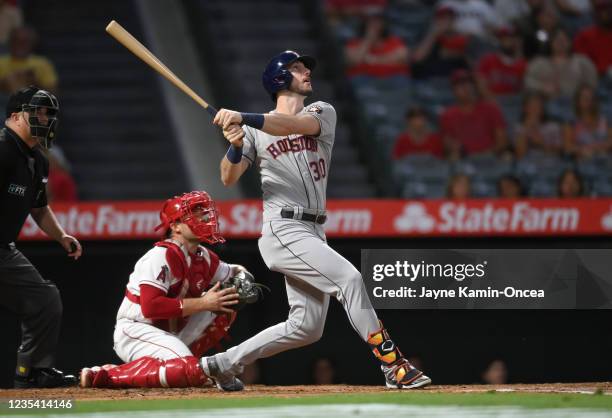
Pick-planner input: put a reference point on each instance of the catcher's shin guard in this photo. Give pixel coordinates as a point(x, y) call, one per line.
point(398, 371)
point(213, 334)
point(149, 372)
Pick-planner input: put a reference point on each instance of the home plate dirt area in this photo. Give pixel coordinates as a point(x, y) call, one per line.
point(295, 391)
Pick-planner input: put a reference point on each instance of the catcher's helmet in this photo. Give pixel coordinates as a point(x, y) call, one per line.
point(276, 77)
point(42, 108)
point(197, 210)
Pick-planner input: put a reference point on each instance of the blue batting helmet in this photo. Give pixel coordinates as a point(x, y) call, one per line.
point(276, 77)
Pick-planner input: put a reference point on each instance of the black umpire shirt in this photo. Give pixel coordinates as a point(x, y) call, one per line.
point(23, 179)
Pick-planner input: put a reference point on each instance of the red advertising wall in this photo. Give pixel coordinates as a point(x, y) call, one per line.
point(357, 218)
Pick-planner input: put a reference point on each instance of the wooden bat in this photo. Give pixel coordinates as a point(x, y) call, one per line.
point(126, 39)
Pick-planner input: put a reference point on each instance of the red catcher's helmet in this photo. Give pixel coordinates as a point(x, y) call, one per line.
point(196, 210)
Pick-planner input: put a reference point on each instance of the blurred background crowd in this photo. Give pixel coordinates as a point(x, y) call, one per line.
point(448, 98)
point(485, 98)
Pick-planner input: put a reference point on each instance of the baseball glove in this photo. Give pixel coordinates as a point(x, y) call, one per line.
point(248, 290)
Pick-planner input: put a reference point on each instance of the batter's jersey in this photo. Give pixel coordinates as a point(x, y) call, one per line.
point(152, 269)
point(294, 168)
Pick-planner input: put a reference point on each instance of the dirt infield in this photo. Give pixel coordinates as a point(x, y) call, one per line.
point(290, 391)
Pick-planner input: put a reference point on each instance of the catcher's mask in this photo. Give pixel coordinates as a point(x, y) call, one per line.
point(196, 210)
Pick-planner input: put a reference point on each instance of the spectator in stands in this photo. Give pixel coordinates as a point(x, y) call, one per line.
point(562, 72)
point(377, 53)
point(10, 19)
point(442, 50)
point(459, 187)
point(323, 371)
point(417, 137)
point(475, 18)
point(61, 187)
point(501, 72)
point(535, 131)
point(595, 41)
point(496, 373)
point(537, 29)
point(510, 187)
point(21, 68)
point(590, 133)
point(473, 125)
point(570, 185)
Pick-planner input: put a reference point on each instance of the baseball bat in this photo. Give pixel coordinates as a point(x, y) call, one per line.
point(126, 39)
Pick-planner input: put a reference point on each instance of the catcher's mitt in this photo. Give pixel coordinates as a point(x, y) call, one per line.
point(248, 291)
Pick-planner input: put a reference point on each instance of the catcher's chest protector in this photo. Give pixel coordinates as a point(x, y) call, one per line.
point(194, 278)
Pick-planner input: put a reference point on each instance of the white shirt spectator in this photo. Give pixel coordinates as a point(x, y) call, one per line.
point(474, 17)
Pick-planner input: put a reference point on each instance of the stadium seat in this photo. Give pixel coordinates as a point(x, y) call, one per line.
point(423, 167)
point(540, 165)
point(420, 189)
point(543, 187)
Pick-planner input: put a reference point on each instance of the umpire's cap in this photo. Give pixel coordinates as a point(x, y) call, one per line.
point(20, 98)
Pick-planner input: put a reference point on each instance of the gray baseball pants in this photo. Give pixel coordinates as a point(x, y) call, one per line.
point(313, 272)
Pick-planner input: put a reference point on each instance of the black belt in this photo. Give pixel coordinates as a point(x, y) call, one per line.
point(9, 246)
point(309, 217)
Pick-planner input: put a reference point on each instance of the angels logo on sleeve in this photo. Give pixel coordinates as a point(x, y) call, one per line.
point(163, 275)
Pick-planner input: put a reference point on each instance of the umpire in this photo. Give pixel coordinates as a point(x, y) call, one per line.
point(31, 120)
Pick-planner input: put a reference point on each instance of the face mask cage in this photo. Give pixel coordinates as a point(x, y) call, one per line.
point(43, 112)
point(202, 219)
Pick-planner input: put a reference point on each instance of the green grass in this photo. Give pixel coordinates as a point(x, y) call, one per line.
point(528, 400)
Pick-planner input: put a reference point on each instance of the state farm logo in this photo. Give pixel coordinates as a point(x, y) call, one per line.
point(455, 217)
point(415, 218)
point(606, 220)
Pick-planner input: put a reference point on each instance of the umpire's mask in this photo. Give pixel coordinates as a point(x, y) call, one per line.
point(43, 112)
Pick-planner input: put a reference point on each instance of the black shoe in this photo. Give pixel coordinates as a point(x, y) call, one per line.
point(45, 378)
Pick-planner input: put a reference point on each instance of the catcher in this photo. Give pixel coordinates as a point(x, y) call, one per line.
point(166, 320)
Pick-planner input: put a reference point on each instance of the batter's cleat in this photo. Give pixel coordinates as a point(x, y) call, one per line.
point(404, 376)
point(45, 378)
point(399, 373)
point(224, 381)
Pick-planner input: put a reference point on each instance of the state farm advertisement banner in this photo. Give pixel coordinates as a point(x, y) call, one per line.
point(357, 218)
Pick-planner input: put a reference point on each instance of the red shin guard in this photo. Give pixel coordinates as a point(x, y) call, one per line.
point(149, 372)
point(213, 334)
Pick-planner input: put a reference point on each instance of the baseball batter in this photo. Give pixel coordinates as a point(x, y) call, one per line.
point(164, 323)
point(292, 148)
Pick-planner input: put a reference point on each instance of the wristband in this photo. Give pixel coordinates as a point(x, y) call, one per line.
point(254, 120)
point(234, 154)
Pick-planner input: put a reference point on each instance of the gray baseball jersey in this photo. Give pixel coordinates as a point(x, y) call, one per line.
point(294, 171)
point(293, 168)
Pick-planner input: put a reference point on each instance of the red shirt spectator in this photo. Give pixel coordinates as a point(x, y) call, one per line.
point(502, 76)
point(376, 53)
point(474, 128)
point(61, 186)
point(417, 138)
point(375, 66)
point(502, 72)
point(406, 145)
point(473, 125)
point(594, 42)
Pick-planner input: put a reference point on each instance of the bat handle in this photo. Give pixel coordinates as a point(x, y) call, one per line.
point(211, 111)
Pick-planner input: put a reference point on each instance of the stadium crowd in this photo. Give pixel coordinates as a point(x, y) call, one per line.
point(476, 98)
